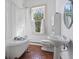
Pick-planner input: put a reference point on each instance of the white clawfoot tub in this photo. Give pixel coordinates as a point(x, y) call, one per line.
point(15, 48)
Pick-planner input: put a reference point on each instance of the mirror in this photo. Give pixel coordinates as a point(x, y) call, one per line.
point(68, 14)
point(68, 20)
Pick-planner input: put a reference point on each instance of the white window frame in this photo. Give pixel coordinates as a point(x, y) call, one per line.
point(33, 21)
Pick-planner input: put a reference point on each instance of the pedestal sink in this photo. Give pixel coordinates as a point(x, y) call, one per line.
point(58, 41)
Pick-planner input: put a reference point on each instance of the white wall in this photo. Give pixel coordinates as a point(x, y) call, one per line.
point(20, 21)
point(28, 27)
point(15, 19)
point(19, 3)
point(64, 31)
point(8, 19)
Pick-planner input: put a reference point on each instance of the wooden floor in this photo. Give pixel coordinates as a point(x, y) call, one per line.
point(35, 52)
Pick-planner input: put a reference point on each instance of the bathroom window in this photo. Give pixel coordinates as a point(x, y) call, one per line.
point(38, 17)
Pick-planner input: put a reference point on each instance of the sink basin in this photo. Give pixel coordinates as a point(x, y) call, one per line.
point(58, 39)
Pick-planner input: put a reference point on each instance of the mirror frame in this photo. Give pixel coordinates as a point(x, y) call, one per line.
point(68, 14)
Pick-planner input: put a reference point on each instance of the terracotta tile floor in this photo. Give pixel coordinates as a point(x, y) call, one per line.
point(35, 52)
